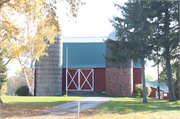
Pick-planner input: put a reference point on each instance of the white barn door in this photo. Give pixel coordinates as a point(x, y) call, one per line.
point(81, 80)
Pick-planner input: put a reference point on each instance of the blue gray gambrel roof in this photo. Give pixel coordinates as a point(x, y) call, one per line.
point(86, 52)
point(155, 84)
point(84, 55)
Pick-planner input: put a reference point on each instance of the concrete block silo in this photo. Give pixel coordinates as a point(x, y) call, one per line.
point(49, 71)
point(119, 82)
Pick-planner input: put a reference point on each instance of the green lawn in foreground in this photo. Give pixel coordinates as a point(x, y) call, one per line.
point(39, 101)
point(127, 107)
point(135, 104)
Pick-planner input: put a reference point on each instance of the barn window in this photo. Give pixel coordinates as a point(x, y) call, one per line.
point(165, 94)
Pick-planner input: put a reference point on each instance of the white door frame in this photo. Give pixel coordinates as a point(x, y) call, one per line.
point(79, 86)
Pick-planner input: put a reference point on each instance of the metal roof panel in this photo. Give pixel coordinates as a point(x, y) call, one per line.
point(84, 54)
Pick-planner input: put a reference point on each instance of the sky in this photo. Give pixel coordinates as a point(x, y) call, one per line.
point(92, 21)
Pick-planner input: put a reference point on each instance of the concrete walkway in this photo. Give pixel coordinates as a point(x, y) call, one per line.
point(71, 107)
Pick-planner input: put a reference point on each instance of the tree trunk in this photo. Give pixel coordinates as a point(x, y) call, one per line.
point(0, 93)
point(33, 77)
point(169, 78)
point(144, 82)
point(24, 72)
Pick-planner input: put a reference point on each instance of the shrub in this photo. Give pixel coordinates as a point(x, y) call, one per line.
point(139, 90)
point(22, 91)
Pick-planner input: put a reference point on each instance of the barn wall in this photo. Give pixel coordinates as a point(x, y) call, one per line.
point(119, 82)
point(100, 79)
point(153, 92)
point(136, 77)
point(166, 97)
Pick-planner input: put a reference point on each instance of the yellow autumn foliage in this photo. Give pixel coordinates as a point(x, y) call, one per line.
point(31, 37)
point(34, 10)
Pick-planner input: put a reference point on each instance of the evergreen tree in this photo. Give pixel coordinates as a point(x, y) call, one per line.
point(134, 33)
point(166, 37)
point(3, 75)
point(175, 78)
point(152, 30)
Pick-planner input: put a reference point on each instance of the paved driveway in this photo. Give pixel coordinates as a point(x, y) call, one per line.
point(71, 107)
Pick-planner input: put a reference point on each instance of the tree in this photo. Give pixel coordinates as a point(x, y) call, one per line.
point(3, 75)
point(18, 80)
point(151, 28)
point(149, 78)
point(4, 89)
point(10, 31)
point(40, 29)
point(134, 33)
point(11, 85)
point(34, 46)
point(166, 37)
point(175, 77)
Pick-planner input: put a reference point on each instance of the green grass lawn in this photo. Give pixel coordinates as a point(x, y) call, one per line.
point(40, 101)
point(19, 106)
point(126, 107)
point(117, 108)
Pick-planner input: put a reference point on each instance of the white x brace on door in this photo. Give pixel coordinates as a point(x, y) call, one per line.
point(82, 82)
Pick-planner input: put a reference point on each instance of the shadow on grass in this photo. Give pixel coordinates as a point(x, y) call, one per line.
point(135, 104)
point(126, 105)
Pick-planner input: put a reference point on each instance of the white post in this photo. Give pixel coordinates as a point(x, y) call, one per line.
point(66, 71)
point(93, 79)
point(79, 71)
point(78, 108)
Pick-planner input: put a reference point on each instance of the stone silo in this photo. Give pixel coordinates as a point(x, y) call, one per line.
point(49, 71)
point(119, 82)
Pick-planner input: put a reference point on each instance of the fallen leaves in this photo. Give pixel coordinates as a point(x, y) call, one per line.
point(11, 110)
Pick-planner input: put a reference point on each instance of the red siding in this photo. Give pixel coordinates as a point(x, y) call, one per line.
point(153, 92)
point(167, 96)
point(136, 77)
point(72, 85)
point(86, 85)
point(99, 79)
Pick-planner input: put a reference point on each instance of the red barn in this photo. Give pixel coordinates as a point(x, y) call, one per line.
point(87, 69)
point(164, 93)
